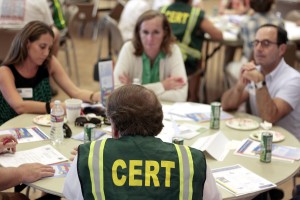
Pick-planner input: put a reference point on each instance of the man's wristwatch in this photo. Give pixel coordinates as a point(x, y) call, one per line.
point(260, 84)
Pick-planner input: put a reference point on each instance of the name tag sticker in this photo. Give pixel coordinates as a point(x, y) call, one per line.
point(25, 92)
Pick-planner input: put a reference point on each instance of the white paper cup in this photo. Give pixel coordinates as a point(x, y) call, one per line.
point(73, 107)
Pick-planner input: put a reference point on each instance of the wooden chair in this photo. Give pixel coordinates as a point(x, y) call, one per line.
point(87, 12)
point(6, 38)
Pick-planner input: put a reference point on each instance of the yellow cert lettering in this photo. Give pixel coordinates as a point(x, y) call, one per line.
point(151, 171)
point(168, 165)
point(133, 171)
point(185, 16)
point(116, 180)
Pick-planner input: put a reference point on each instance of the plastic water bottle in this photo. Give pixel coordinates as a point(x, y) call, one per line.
point(57, 120)
point(136, 81)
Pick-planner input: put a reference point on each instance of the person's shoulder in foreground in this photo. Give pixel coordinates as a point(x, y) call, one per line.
point(134, 162)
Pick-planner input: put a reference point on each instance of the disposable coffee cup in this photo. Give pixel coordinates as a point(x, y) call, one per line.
point(73, 107)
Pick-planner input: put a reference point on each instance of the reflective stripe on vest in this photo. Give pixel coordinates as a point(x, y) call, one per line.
point(186, 169)
point(96, 169)
point(184, 45)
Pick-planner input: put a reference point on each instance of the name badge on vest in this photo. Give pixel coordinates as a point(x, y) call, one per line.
point(25, 92)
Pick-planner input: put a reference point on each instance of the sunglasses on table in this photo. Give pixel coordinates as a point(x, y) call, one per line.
point(80, 121)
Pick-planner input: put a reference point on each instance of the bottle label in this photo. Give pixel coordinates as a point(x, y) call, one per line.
point(57, 118)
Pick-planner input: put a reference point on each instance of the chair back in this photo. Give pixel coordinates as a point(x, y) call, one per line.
point(116, 12)
point(70, 14)
point(290, 54)
point(87, 11)
point(115, 36)
point(6, 38)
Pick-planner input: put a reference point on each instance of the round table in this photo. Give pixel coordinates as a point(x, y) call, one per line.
point(277, 171)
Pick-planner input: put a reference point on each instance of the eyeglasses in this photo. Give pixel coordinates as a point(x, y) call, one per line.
point(263, 43)
point(80, 121)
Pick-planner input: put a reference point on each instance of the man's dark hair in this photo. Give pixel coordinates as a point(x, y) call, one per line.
point(135, 110)
point(261, 6)
point(281, 33)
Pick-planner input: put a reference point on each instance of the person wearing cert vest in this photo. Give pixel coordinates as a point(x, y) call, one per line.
point(189, 26)
point(134, 164)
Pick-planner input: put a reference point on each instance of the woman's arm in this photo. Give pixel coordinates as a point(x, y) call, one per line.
point(172, 72)
point(62, 79)
point(125, 70)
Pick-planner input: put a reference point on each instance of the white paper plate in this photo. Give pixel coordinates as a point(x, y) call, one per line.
point(44, 120)
point(277, 137)
point(242, 124)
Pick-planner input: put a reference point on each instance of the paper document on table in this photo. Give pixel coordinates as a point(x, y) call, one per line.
point(215, 145)
point(240, 180)
point(29, 134)
point(45, 154)
point(252, 148)
point(182, 130)
point(80, 136)
point(196, 111)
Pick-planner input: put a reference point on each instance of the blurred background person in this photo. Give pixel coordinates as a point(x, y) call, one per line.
point(17, 13)
point(153, 58)
point(189, 25)
point(133, 9)
point(234, 7)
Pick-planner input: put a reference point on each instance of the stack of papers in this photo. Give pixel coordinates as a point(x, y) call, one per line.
point(46, 154)
point(252, 148)
point(240, 180)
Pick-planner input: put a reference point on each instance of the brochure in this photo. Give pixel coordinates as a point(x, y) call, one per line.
point(252, 148)
point(105, 79)
point(29, 134)
point(46, 154)
point(61, 169)
point(240, 180)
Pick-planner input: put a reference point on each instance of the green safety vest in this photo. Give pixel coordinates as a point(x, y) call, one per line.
point(58, 16)
point(136, 167)
point(177, 15)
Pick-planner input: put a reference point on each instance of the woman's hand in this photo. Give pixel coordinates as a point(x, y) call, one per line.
point(173, 83)
point(124, 79)
point(8, 142)
point(74, 153)
point(31, 172)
